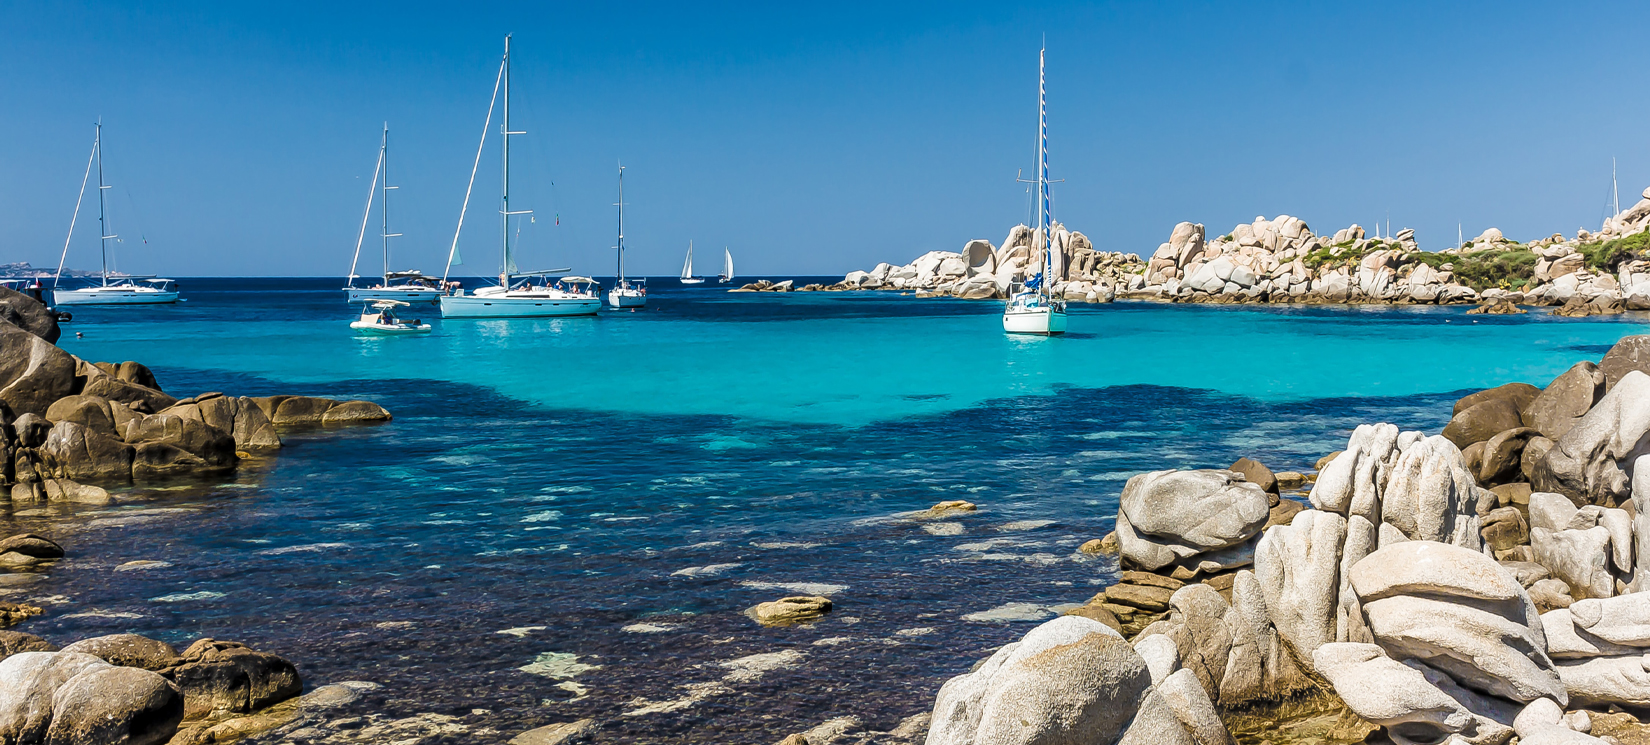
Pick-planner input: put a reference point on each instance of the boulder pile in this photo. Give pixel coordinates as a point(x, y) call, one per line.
point(67, 425)
point(1280, 260)
point(130, 689)
point(1482, 584)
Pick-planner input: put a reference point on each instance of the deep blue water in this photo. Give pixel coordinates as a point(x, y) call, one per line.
point(666, 470)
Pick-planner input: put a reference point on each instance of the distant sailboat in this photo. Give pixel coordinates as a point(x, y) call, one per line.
point(727, 265)
point(125, 290)
point(687, 269)
point(627, 293)
point(568, 296)
point(408, 286)
point(1034, 310)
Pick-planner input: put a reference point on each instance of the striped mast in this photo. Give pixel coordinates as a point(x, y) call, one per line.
point(1044, 225)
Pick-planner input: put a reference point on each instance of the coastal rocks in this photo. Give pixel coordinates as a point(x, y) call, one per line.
point(241, 418)
point(28, 314)
point(1459, 612)
point(29, 546)
point(1565, 400)
point(65, 697)
point(14, 642)
point(1631, 353)
point(1415, 703)
point(33, 372)
point(1169, 516)
point(287, 411)
point(1482, 421)
point(128, 650)
point(1069, 680)
point(1298, 567)
point(1351, 482)
point(1431, 496)
point(75, 452)
point(1586, 462)
point(219, 676)
point(792, 610)
point(1601, 681)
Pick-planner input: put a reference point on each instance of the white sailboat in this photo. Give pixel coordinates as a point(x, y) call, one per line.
point(407, 286)
point(1034, 309)
point(687, 268)
point(569, 296)
point(627, 293)
point(727, 265)
point(124, 289)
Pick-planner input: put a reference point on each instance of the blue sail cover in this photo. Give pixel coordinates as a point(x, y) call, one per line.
point(1035, 282)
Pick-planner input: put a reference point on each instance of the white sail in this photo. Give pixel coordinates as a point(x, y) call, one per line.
point(727, 265)
point(687, 266)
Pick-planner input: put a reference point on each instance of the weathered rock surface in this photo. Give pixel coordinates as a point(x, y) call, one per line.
point(1415, 703)
point(1170, 515)
point(28, 314)
point(218, 676)
point(33, 373)
point(1458, 611)
point(64, 697)
point(1586, 463)
point(1298, 568)
point(128, 650)
point(1069, 680)
point(1565, 400)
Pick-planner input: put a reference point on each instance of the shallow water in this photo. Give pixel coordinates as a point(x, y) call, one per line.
point(599, 501)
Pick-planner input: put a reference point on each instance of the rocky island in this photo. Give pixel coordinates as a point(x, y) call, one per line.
point(1280, 260)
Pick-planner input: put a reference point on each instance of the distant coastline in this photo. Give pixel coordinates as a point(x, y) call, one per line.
point(1282, 261)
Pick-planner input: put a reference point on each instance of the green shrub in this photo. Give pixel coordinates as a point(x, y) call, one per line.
point(1605, 256)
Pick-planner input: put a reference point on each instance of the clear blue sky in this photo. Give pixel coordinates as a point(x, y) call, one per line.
point(241, 138)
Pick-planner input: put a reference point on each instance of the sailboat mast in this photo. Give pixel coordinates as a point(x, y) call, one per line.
point(102, 212)
point(1615, 193)
point(1043, 226)
point(504, 269)
point(621, 224)
point(384, 199)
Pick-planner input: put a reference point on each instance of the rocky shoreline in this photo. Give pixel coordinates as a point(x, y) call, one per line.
point(1282, 261)
point(73, 431)
point(1488, 583)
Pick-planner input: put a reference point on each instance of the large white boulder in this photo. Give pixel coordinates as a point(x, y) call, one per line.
point(1359, 474)
point(1567, 642)
point(1600, 681)
point(1415, 703)
point(1579, 557)
point(1298, 566)
point(1070, 680)
point(1456, 610)
point(1203, 509)
point(1431, 496)
point(68, 697)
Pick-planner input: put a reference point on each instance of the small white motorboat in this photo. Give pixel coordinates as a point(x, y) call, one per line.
point(379, 319)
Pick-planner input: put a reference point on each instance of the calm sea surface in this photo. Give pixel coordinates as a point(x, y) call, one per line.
point(569, 518)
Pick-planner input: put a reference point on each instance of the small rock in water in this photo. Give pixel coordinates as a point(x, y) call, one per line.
point(1025, 525)
point(792, 610)
point(1291, 479)
point(648, 628)
point(753, 667)
point(1011, 612)
point(943, 529)
point(948, 507)
point(12, 614)
point(560, 665)
point(704, 571)
point(520, 632)
point(556, 734)
point(1100, 546)
point(142, 564)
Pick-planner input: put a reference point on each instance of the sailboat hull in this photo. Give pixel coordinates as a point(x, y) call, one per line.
point(626, 299)
point(495, 306)
point(114, 296)
point(423, 295)
point(1040, 321)
point(693, 280)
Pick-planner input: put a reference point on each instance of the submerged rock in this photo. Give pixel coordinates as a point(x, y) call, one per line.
point(65, 697)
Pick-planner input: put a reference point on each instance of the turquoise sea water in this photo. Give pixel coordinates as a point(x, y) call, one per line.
point(568, 518)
